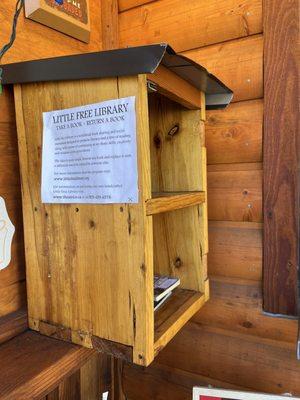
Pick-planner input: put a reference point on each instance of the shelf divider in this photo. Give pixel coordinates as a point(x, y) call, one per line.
point(170, 201)
point(174, 314)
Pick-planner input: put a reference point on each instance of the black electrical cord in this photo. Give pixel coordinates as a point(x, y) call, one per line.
point(7, 46)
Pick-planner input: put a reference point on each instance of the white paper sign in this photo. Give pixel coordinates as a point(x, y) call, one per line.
point(89, 154)
point(6, 234)
point(201, 393)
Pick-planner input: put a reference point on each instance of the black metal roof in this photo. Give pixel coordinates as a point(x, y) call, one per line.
point(121, 62)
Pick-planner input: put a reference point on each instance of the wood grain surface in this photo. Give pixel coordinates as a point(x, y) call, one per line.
point(281, 156)
point(35, 41)
point(164, 202)
point(235, 194)
point(235, 250)
point(238, 63)
point(201, 23)
point(78, 229)
point(12, 278)
point(127, 4)
point(32, 365)
point(234, 135)
point(13, 324)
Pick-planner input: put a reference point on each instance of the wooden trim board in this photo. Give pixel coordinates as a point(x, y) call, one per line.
point(281, 157)
point(163, 202)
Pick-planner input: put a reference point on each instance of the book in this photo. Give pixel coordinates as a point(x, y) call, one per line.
point(157, 304)
point(163, 285)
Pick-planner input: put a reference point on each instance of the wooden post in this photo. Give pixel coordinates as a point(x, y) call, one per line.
point(110, 24)
point(281, 153)
point(110, 40)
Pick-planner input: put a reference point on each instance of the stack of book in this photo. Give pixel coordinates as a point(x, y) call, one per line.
point(163, 287)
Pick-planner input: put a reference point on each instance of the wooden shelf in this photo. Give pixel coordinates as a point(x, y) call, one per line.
point(170, 201)
point(32, 365)
point(170, 318)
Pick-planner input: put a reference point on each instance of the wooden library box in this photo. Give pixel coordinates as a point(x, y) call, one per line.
point(90, 267)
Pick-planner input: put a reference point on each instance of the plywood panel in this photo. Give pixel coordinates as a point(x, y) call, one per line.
point(251, 362)
point(235, 195)
point(234, 135)
point(235, 249)
point(201, 23)
point(237, 63)
point(236, 305)
point(36, 41)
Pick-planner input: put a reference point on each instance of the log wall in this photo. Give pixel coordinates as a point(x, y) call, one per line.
point(231, 342)
point(35, 41)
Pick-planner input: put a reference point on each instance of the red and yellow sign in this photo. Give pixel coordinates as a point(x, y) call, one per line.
point(68, 16)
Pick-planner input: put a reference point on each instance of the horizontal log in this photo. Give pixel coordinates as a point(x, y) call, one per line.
point(47, 42)
point(235, 249)
point(236, 305)
point(169, 382)
point(128, 4)
point(235, 195)
point(252, 362)
point(159, 22)
point(238, 63)
point(234, 135)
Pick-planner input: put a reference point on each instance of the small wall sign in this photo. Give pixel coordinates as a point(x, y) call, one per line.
point(90, 154)
point(6, 234)
point(202, 393)
point(68, 16)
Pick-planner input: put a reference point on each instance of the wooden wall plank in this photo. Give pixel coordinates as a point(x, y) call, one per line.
point(281, 156)
point(8, 134)
point(237, 63)
point(177, 384)
point(234, 135)
point(95, 377)
point(235, 249)
point(255, 363)
point(13, 324)
point(128, 4)
point(13, 297)
point(235, 195)
point(36, 41)
point(201, 22)
point(69, 389)
point(7, 112)
point(12, 285)
point(236, 305)
point(109, 21)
